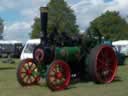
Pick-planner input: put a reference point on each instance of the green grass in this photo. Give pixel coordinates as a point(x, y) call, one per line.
point(10, 87)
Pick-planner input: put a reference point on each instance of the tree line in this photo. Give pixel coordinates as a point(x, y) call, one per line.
point(109, 25)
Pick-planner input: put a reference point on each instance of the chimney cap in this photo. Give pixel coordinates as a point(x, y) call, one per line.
point(44, 9)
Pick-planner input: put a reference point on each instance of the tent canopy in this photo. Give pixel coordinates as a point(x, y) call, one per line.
point(120, 42)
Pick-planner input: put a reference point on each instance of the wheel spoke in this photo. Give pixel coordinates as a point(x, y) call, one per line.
point(61, 69)
point(102, 54)
point(110, 70)
point(58, 82)
point(28, 79)
point(105, 54)
point(31, 80)
point(24, 76)
point(25, 67)
point(52, 74)
point(54, 70)
point(57, 68)
point(33, 69)
point(33, 75)
point(63, 79)
point(23, 72)
point(100, 67)
point(30, 65)
point(53, 81)
point(102, 62)
point(103, 76)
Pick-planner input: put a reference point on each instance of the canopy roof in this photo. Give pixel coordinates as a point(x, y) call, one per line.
point(120, 42)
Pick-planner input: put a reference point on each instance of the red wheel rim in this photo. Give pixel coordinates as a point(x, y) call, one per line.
point(28, 72)
point(39, 55)
point(106, 64)
point(58, 77)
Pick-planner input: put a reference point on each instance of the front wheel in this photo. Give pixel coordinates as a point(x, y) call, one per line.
point(102, 64)
point(58, 75)
point(27, 73)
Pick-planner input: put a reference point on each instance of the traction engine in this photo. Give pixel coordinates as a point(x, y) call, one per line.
point(59, 62)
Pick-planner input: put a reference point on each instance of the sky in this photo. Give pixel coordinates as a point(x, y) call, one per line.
point(18, 15)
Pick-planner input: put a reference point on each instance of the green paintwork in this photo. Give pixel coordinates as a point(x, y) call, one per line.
point(42, 70)
point(67, 53)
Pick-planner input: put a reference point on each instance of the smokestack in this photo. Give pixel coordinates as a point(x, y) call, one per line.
point(44, 20)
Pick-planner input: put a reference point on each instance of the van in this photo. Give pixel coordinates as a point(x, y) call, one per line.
point(27, 51)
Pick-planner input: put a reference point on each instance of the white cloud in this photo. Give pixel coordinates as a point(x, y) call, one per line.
point(17, 31)
point(28, 9)
point(87, 10)
point(1, 8)
point(29, 14)
point(119, 5)
point(9, 4)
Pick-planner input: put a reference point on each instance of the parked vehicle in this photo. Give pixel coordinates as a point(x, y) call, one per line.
point(27, 51)
point(10, 48)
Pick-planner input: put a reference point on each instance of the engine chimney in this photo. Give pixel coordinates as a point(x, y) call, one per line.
point(44, 20)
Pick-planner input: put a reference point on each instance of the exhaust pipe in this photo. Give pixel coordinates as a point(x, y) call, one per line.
point(44, 21)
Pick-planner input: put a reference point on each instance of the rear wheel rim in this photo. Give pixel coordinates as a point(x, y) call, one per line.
point(58, 77)
point(28, 72)
point(106, 64)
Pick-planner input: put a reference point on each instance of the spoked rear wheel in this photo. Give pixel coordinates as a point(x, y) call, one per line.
point(27, 73)
point(58, 75)
point(102, 64)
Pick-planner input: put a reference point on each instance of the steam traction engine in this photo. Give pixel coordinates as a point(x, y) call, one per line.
point(60, 64)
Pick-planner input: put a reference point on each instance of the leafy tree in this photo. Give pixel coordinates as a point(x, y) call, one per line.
point(61, 16)
point(110, 25)
point(1, 28)
point(36, 28)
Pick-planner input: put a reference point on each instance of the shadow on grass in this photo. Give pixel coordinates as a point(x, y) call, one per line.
point(73, 84)
point(117, 79)
point(7, 68)
point(44, 85)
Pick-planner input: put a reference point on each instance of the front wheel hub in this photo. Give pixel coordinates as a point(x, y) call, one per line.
point(28, 72)
point(59, 75)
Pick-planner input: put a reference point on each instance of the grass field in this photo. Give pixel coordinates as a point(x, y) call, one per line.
point(10, 87)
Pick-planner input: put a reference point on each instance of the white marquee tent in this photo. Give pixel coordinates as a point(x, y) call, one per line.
point(122, 46)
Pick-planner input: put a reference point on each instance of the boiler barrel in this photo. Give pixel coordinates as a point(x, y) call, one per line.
point(68, 54)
